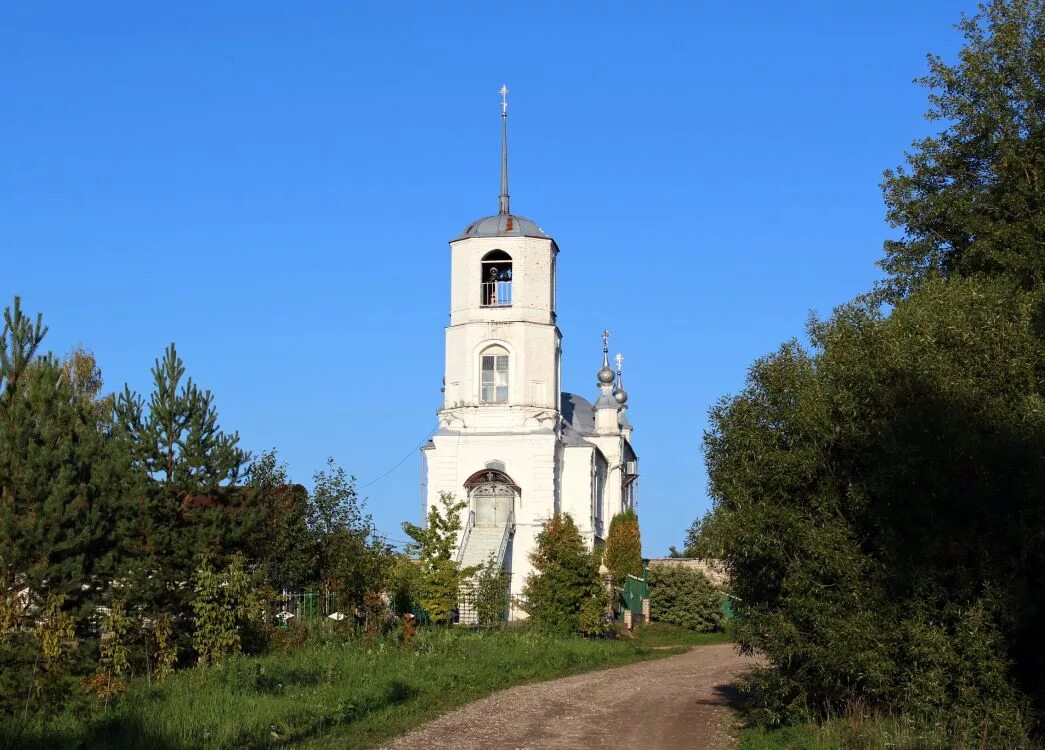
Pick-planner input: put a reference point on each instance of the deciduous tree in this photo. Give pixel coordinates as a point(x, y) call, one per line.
point(880, 496)
point(971, 199)
point(439, 575)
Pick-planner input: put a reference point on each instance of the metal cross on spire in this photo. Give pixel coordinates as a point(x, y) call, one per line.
point(620, 360)
point(502, 207)
point(606, 340)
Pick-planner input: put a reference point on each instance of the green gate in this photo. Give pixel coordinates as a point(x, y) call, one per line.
point(632, 594)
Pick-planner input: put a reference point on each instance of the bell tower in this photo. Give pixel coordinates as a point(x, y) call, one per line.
point(502, 345)
point(511, 445)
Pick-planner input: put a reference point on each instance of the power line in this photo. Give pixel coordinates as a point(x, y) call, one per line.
point(402, 461)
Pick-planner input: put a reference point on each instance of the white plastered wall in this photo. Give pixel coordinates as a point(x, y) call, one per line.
point(533, 268)
point(531, 460)
point(533, 349)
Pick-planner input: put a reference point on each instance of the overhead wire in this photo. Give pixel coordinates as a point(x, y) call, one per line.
point(402, 461)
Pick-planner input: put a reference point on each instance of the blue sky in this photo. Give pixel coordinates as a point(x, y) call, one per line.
point(272, 186)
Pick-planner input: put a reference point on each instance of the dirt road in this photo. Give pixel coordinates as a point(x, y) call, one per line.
point(667, 704)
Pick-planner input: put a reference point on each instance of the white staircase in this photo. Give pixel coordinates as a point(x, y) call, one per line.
point(479, 543)
point(482, 542)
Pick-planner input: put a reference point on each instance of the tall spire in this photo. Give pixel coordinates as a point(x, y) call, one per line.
point(502, 207)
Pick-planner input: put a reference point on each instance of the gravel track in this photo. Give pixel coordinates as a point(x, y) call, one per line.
point(666, 704)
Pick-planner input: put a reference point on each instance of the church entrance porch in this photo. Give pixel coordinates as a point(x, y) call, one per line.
point(491, 524)
point(492, 495)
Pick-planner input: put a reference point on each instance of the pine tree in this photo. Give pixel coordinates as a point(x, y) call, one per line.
point(60, 478)
point(178, 441)
point(189, 504)
point(61, 481)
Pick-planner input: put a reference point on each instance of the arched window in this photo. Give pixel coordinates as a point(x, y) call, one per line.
point(493, 375)
point(496, 279)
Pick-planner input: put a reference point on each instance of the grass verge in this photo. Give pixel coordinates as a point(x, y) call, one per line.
point(660, 634)
point(343, 693)
point(866, 733)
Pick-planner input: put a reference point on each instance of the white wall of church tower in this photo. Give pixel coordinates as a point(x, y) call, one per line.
point(533, 285)
point(526, 327)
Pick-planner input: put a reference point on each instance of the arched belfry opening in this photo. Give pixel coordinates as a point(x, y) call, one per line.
point(496, 279)
point(492, 496)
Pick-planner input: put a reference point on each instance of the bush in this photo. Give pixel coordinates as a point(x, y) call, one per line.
point(684, 597)
point(490, 593)
point(565, 583)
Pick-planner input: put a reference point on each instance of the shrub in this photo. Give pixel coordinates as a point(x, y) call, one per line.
point(490, 593)
point(225, 603)
point(684, 597)
point(592, 620)
point(565, 580)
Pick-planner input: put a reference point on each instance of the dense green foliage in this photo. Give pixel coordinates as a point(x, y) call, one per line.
point(880, 496)
point(879, 502)
point(284, 544)
point(623, 552)
point(341, 694)
point(351, 559)
point(222, 603)
point(59, 478)
point(563, 594)
point(129, 546)
point(189, 504)
point(684, 597)
point(971, 199)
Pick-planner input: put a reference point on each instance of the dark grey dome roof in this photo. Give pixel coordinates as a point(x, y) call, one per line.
point(503, 225)
point(578, 412)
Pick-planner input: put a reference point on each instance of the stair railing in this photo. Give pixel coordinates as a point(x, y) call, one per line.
point(464, 537)
point(509, 529)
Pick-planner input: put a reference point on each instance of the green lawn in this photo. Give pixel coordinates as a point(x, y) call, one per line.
point(340, 693)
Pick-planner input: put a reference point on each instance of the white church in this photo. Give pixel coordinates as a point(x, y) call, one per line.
point(510, 440)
